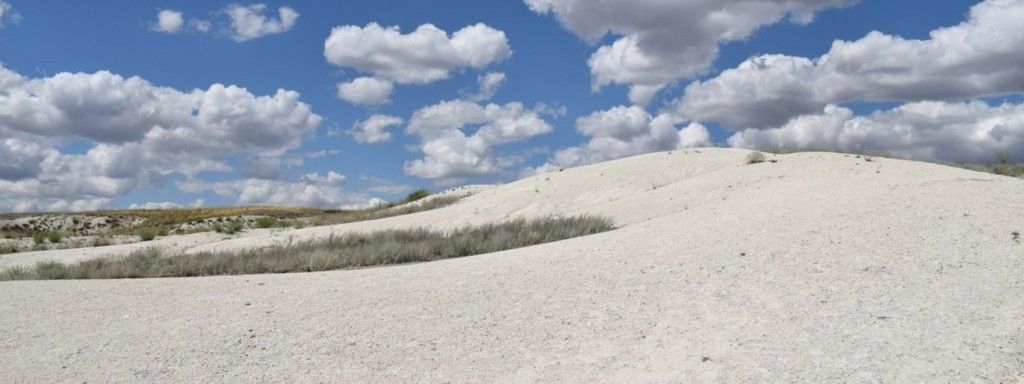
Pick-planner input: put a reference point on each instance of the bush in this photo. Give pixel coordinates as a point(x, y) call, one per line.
point(38, 238)
point(1003, 158)
point(755, 157)
point(147, 233)
point(8, 248)
point(54, 237)
point(231, 228)
point(267, 222)
point(416, 195)
point(336, 252)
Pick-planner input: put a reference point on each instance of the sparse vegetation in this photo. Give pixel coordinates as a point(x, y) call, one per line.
point(1004, 164)
point(416, 195)
point(381, 212)
point(6, 248)
point(755, 158)
point(147, 233)
point(101, 227)
point(100, 241)
point(267, 222)
point(336, 252)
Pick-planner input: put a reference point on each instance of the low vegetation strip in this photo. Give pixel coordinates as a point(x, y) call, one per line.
point(336, 252)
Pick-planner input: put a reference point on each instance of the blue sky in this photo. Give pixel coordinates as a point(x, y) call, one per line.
point(547, 73)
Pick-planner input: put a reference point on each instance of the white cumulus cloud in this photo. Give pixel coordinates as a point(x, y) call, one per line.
point(423, 56)
point(979, 57)
point(961, 132)
point(488, 85)
point(139, 134)
point(311, 190)
point(452, 152)
point(249, 21)
point(169, 21)
point(625, 131)
point(369, 91)
point(659, 42)
point(374, 129)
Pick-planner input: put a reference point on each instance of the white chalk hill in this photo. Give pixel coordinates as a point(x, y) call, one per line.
point(817, 268)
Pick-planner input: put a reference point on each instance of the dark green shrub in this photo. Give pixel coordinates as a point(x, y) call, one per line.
point(147, 233)
point(416, 195)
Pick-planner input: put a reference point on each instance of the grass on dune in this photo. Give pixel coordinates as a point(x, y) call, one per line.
point(402, 208)
point(336, 252)
point(1003, 165)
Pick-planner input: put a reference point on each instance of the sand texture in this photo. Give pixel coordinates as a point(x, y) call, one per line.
point(819, 268)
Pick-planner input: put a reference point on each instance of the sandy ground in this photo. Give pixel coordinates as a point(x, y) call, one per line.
point(821, 268)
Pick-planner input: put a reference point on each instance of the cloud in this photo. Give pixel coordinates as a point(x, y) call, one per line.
point(169, 21)
point(268, 168)
point(248, 21)
point(155, 205)
point(420, 57)
point(979, 57)
point(967, 132)
point(374, 129)
point(488, 86)
point(139, 134)
point(625, 131)
point(659, 42)
point(8, 14)
point(369, 91)
point(53, 205)
point(331, 179)
point(312, 190)
point(384, 186)
point(451, 153)
point(200, 25)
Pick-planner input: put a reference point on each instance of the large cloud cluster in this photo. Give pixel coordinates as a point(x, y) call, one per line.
point(137, 134)
point(624, 131)
point(970, 132)
point(980, 57)
point(423, 56)
point(661, 41)
point(452, 153)
point(312, 190)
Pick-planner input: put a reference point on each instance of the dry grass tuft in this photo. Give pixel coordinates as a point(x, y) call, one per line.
point(336, 252)
point(755, 158)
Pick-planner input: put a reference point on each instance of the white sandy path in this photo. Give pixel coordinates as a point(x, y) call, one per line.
point(820, 268)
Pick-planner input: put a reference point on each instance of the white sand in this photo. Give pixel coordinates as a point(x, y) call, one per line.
point(819, 268)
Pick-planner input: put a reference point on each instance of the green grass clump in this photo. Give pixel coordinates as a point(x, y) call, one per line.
point(54, 237)
point(417, 195)
point(336, 252)
point(1004, 166)
point(268, 222)
point(230, 228)
point(8, 248)
point(38, 238)
point(148, 233)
